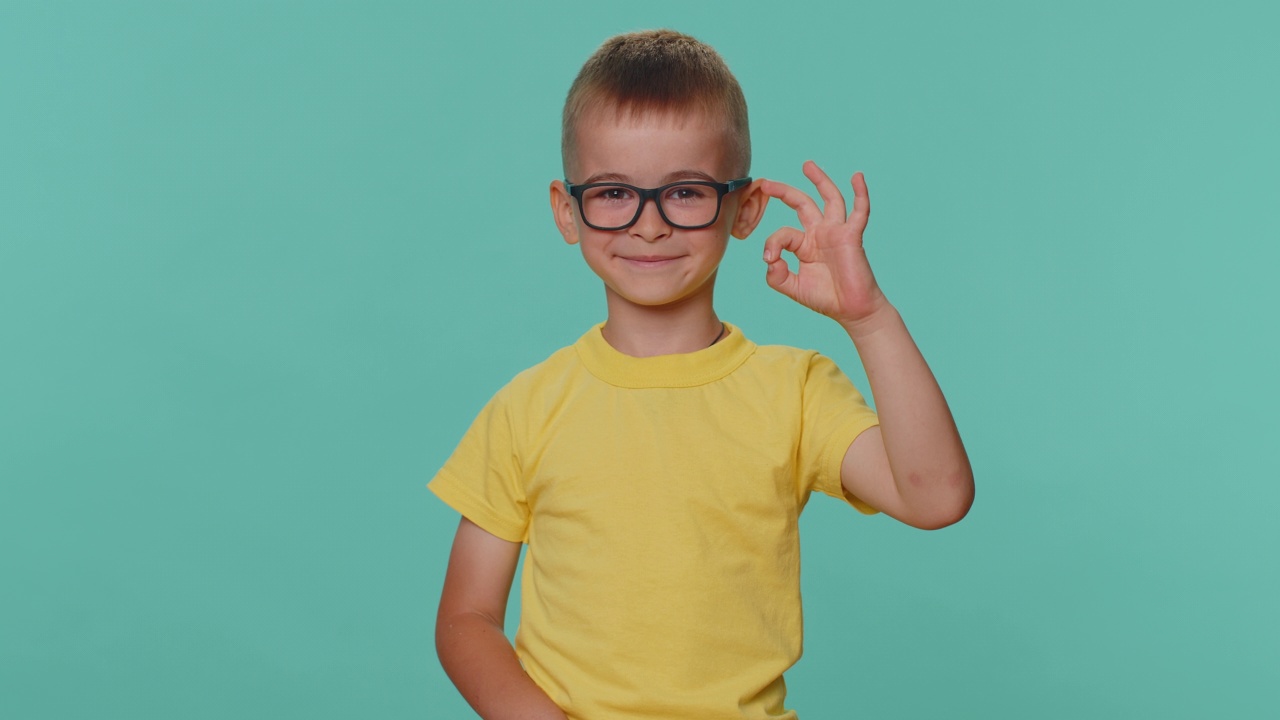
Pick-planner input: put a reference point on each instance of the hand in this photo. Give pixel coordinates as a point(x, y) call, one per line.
point(834, 276)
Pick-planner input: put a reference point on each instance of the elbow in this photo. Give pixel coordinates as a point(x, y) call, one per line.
point(457, 634)
point(445, 633)
point(939, 520)
point(951, 503)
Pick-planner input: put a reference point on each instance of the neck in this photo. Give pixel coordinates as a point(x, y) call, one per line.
point(642, 331)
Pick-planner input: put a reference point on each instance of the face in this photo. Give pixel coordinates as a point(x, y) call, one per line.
point(652, 264)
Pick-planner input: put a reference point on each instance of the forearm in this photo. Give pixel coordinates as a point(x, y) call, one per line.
point(930, 468)
point(484, 667)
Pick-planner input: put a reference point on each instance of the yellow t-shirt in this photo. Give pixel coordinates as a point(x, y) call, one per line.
point(659, 498)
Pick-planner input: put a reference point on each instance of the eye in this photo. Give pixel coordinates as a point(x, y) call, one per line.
point(610, 193)
point(688, 193)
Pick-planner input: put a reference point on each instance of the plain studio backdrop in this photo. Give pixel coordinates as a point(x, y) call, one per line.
point(262, 263)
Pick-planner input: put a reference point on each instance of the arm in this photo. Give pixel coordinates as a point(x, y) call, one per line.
point(469, 638)
point(913, 467)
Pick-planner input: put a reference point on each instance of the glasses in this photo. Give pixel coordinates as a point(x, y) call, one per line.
point(688, 204)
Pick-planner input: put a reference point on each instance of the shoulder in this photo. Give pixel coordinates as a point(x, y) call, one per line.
point(559, 364)
point(538, 387)
point(807, 373)
point(785, 360)
point(784, 353)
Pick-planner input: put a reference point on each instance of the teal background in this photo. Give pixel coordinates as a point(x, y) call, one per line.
point(261, 263)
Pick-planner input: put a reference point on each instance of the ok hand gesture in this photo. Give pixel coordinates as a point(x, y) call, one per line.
point(834, 276)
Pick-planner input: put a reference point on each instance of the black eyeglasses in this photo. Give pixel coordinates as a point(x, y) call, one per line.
point(688, 204)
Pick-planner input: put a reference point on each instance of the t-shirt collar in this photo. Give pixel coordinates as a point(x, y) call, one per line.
point(671, 371)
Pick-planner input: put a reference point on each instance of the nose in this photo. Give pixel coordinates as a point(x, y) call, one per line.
point(650, 226)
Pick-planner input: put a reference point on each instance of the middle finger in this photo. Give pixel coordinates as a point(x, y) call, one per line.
point(832, 198)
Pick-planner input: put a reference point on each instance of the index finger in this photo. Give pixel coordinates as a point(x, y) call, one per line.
point(804, 205)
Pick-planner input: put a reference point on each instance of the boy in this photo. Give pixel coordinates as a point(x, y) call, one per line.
point(657, 468)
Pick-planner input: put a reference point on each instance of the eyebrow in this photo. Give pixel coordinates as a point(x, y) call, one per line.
point(670, 177)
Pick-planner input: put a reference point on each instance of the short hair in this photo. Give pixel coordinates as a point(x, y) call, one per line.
point(658, 71)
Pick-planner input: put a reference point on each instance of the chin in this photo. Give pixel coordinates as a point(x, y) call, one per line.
point(662, 294)
point(657, 299)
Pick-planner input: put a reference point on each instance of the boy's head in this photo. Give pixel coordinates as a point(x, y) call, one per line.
point(656, 152)
point(657, 72)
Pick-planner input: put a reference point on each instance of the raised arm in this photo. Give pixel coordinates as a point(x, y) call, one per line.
point(913, 467)
point(469, 638)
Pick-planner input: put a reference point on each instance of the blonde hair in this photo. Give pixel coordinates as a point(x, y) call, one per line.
point(658, 71)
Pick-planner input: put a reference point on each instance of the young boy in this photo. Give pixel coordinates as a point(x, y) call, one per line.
point(657, 468)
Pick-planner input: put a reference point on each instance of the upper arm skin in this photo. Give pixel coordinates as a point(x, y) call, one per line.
point(478, 581)
point(866, 473)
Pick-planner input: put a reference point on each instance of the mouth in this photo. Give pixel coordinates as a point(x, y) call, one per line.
point(649, 260)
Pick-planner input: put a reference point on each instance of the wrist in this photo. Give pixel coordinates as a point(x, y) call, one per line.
point(883, 315)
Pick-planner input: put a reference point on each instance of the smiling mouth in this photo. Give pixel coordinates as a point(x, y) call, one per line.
point(649, 259)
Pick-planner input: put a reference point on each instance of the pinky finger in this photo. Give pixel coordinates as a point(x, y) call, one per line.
point(861, 197)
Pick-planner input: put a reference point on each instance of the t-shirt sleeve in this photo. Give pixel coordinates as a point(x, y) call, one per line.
point(834, 414)
point(482, 478)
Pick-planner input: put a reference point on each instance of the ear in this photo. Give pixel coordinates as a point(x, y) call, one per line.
point(562, 211)
point(750, 210)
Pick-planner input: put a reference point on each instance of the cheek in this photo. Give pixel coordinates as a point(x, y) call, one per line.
point(715, 245)
point(594, 249)
point(728, 213)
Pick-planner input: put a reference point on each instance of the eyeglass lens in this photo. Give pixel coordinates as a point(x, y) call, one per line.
point(685, 204)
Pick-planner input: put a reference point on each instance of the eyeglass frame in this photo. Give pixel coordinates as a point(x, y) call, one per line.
point(647, 194)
